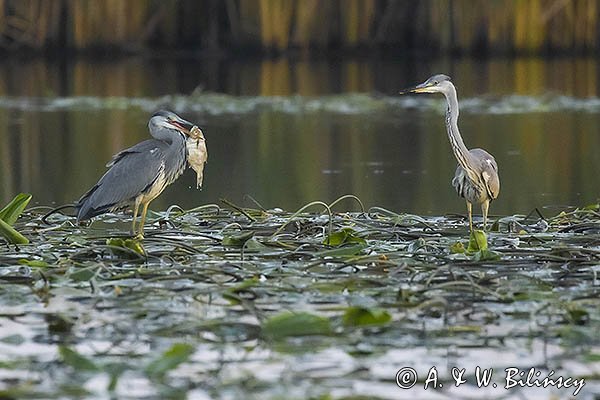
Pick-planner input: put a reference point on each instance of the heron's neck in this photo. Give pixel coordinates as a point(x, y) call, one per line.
point(458, 146)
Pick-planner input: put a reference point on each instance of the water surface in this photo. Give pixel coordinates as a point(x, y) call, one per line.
point(289, 132)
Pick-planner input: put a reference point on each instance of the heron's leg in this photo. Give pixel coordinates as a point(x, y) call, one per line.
point(484, 210)
point(136, 208)
point(470, 212)
point(143, 221)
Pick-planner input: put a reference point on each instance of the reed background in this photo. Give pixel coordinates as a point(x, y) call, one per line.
point(446, 26)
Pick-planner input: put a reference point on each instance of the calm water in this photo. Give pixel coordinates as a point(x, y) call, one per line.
point(287, 133)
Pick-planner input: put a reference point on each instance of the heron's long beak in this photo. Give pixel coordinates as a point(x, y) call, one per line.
point(182, 125)
point(420, 88)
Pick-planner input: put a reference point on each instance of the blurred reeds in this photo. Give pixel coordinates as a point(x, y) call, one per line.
point(467, 26)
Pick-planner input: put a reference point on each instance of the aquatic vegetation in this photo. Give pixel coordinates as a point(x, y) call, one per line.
point(9, 215)
point(274, 304)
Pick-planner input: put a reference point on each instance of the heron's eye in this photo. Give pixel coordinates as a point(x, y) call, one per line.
point(436, 83)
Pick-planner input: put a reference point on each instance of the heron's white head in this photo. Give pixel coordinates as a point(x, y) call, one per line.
point(439, 83)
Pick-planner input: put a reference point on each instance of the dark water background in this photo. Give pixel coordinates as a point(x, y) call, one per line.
point(287, 132)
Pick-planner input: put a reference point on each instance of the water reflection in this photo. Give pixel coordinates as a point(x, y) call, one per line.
point(382, 149)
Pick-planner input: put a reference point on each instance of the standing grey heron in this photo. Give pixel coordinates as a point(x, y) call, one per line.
point(139, 174)
point(476, 178)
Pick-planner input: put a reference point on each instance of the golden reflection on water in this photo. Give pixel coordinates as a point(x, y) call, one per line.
point(401, 161)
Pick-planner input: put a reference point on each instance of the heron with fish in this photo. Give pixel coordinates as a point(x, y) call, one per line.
point(139, 174)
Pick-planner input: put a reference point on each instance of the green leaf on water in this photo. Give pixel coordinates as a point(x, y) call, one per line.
point(577, 315)
point(592, 207)
point(11, 235)
point(83, 274)
point(592, 357)
point(12, 210)
point(486, 255)
point(170, 359)
point(457, 248)
point(254, 245)
point(34, 263)
point(289, 324)
point(477, 241)
point(361, 316)
point(15, 339)
point(344, 251)
point(343, 236)
point(233, 294)
point(237, 240)
point(131, 244)
point(77, 361)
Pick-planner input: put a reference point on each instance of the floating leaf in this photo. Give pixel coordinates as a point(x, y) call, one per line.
point(14, 340)
point(12, 210)
point(34, 263)
point(131, 244)
point(295, 324)
point(592, 207)
point(361, 316)
point(254, 245)
point(457, 248)
point(477, 241)
point(576, 314)
point(343, 236)
point(237, 240)
point(233, 294)
point(58, 323)
point(11, 235)
point(77, 361)
point(83, 274)
point(170, 359)
point(487, 255)
point(345, 251)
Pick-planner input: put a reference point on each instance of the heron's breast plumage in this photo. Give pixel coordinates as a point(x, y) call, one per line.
point(171, 168)
point(471, 191)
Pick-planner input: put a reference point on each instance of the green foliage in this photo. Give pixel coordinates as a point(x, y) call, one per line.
point(34, 263)
point(343, 236)
point(457, 248)
point(169, 360)
point(237, 240)
point(345, 251)
point(12, 210)
point(477, 241)
point(576, 314)
point(486, 255)
point(75, 360)
point(361, 316)
point(478, 247)
point(233, 294)
point(131, 244)
point(11, 235)
point(9, 215)
point(289, 324)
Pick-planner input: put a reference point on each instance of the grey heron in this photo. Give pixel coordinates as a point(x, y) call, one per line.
point(476, 178)
point(139, 174)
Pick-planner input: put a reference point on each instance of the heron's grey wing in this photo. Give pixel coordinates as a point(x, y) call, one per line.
point(489, 172)
point(131, 172)
point(137, 148)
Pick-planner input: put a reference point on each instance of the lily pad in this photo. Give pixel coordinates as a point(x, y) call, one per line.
point(170, 359)
point(295, 324)
point(361, 316)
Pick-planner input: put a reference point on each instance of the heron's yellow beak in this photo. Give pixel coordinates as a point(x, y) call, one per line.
point(421, 88)
point(183, 126)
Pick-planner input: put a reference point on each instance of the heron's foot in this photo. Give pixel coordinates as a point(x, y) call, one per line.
point(138, 236)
